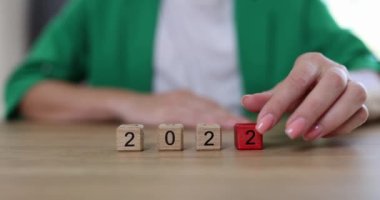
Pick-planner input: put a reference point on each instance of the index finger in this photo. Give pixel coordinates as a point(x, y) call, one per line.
point(295, 85)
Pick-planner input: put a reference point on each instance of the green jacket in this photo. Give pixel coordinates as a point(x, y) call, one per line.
point(110, 44)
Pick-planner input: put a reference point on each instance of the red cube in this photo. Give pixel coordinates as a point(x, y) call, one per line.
point(247, 137)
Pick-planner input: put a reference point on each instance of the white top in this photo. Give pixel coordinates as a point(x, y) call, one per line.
point(196, 50)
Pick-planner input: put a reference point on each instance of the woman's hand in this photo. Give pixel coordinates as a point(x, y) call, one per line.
point(322, 99)
point(57, 101)
point(175, 107)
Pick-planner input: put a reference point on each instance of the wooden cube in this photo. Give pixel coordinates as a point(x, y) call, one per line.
point(170, 137)
point(247, 137)
point(208, 137)
point(130, 137)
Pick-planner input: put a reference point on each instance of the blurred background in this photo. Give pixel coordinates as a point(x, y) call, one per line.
point(22, 20)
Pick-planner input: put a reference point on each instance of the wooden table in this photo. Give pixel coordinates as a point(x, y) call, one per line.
point(40, 161)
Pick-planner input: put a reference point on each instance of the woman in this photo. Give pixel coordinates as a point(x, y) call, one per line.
point(151, 61)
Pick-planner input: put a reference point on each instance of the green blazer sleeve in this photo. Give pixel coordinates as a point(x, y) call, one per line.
point(324, 35)
point(58, 54)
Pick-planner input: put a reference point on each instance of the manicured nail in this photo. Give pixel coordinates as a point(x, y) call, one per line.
point(244, 99)
point(296, 128)
point(265, 123)
point(315, 133)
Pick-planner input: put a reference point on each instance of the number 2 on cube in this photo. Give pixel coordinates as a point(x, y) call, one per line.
point(247, 137)
point(130, 137)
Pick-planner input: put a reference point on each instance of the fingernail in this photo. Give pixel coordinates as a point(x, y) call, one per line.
point(296, 128)
point(314, 133)
point(244, 99)
point(265, 123)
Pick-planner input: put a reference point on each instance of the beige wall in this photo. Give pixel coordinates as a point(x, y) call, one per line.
point(12, 39)
point(360, 16)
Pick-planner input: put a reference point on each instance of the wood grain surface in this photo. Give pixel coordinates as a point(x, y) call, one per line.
point(79, 161)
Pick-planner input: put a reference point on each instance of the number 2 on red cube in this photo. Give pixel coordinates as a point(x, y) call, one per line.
point(247, 137)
